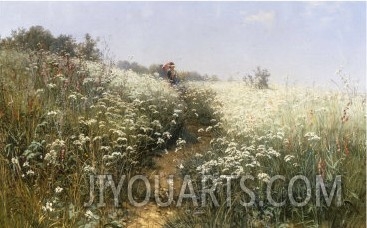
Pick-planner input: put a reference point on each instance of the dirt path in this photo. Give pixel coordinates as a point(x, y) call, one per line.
point(152, 215)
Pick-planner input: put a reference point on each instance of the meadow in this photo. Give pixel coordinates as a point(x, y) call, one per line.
point(286, 131)
point(64, 118)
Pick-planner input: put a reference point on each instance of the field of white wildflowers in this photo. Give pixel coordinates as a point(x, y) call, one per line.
point(63, 119)
point(284, 131)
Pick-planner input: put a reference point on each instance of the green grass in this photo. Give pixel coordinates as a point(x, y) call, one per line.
point(286, 132)
point(62, 119)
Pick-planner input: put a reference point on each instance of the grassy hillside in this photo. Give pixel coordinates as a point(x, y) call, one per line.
point(64, 119)
point(291, 132)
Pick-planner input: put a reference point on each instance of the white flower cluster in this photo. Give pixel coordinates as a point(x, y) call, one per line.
point(54, 150)
point(58, 189)
point(232, 159)
point(311, 136)
point(48, 207)
point(260, 124)
point(90, 215)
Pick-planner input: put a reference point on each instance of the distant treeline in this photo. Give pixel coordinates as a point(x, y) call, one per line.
point(156, 69)
point(39, 38)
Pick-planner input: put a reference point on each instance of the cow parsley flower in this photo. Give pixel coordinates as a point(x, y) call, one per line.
point(48, 207)
point(30, 172)
point(89, 215)
point(263, 177)
point(287, 158)
point(58, 189)
point(311, 136)
point(160, 141)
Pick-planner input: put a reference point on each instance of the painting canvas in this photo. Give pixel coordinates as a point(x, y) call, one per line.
point(182, 114)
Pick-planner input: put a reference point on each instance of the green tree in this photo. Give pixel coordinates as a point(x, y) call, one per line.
point(138, 68)
point(89, 49)
point(134, 66)
point(259, 79)
point(35, 38)
point(64, 43)
point(214, 78)
point(124, 65)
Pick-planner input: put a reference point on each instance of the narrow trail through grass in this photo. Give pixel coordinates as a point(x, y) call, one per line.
point(152, 215)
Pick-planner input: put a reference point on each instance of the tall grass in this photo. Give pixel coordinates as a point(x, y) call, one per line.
point(63, 119)
point(285, 132)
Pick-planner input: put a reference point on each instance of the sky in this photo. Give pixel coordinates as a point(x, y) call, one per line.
point(300, 42)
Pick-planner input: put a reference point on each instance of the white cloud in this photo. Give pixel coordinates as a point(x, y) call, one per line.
point(313, 9)
point(262, 17)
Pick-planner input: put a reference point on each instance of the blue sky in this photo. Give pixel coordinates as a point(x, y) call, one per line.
point(304, 41)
